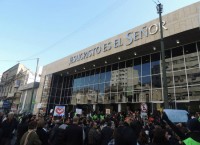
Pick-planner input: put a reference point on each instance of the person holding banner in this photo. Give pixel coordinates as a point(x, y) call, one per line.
point(192, 137)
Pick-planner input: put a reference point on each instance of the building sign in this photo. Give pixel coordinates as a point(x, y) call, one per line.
point(59, 111)
point(6, 104)
point(129, 39)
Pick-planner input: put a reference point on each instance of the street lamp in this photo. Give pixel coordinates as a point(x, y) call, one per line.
point(159, 8)
point(32, 93)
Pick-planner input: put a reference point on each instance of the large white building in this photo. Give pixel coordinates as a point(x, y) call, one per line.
point(124, 71)
point(12, 79)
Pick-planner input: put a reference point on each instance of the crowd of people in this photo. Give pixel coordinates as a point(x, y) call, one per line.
point(98, 129)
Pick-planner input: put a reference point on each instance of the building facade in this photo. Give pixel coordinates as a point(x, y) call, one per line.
point(28, 94)
point(11, 80)
point(124, 71)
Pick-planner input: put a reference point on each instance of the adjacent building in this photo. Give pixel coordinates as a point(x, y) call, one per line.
point(28, 94)
point(12, 85)
point(124, 71)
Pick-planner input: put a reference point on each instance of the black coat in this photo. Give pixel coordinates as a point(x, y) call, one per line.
point(8, 128)
point(43, 135)
point(59, 137)
point(21, 129)
point(94, 137)
point(125, 135)
point(106, 135)
point(194, 135)
point(73, 135)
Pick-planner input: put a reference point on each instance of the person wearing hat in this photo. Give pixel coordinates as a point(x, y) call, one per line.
point(192, 137)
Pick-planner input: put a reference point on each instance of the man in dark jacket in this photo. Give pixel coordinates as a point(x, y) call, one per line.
point(125, 134)
point(42, 134)
point(94, 136)
point(8, 127)
point(21, 129)
point(74, 133)
point(106, 134)
point(193, 137)
point(1, 120)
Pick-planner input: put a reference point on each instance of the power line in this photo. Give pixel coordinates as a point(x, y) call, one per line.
point(27, 59)
point(109, 9)
point(19, 60)
point(8, 60)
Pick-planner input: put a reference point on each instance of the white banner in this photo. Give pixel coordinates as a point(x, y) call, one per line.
point(78, 111)
point(39, 105)
point(107, 111)
point(59, 111)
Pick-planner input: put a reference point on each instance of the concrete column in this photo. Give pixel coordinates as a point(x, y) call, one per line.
point(94, 107)
point(119, 107)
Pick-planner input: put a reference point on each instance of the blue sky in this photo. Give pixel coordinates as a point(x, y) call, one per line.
point(53, 29)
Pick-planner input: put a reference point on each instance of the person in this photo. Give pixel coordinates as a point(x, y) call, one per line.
point(1, 120)
point(192, 137)
point(31, 137)
point(65, 124)
point(59, 133)
point(1, 117)
point(143, 138)
point(21, 129)
point(125, 134)
point(74, 133)
point(9, 126)
point(53, 131)
point(106, 133)
point(94, 136)
point(42, 134)
point(159, 137)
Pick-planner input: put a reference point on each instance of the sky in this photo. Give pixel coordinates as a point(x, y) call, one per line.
point(53, 29)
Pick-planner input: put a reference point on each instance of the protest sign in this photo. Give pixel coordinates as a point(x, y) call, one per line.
point(59, 111)
point(107, 111)
point(78, 111)
point(176, 115)
point(143, 107)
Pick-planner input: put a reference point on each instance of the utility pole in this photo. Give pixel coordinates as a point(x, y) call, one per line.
point(32, 93)
point(159, 8)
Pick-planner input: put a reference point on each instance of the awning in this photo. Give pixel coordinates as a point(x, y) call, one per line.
point(156, 102)
point(10, 95)
point(13, 95)
point(181, 101)
point(29, 86)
